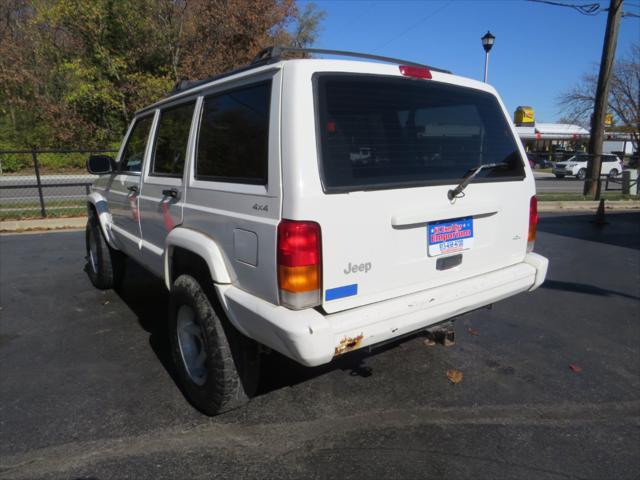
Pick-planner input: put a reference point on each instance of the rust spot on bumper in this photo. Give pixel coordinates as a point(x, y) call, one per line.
point(349, 343)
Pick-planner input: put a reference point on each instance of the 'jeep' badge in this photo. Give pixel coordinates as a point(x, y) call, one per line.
point(359, 267)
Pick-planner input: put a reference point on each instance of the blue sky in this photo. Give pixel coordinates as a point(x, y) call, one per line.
point(540, 50)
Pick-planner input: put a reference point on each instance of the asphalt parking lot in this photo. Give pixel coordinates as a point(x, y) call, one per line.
point(550, 390)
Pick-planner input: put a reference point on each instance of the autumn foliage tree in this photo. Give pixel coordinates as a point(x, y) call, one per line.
point(624, 96)
point(73, 72)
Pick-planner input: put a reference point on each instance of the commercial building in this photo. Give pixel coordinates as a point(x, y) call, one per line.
point(559, 137)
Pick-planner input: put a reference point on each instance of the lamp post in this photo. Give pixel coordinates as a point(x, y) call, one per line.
point(487, 43)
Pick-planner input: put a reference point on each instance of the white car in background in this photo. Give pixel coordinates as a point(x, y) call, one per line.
point(576, 166)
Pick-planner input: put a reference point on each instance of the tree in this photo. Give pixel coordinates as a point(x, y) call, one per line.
point(226, 34)
point(73, 73)
point(307, 26)
point(624, 96)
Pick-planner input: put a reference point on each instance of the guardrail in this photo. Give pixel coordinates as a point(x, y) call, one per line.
point(44, 182)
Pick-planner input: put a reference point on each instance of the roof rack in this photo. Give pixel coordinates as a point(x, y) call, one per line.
point(185, 84)
point(271, 54)
point(274, 54)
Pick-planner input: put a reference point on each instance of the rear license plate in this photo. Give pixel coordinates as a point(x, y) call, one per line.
point(449, 236)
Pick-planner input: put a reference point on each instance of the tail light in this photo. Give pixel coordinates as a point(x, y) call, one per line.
point(415, 72)
point(299, 264)
point(533, 223)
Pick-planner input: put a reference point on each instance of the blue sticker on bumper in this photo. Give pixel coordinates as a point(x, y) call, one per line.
point(341, 292)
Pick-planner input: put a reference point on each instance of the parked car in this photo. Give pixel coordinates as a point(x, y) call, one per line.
point(538, 161)
point(576, 166)
point(314, 207)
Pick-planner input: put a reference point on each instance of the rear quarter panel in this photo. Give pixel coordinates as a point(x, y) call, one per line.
point(243, 219)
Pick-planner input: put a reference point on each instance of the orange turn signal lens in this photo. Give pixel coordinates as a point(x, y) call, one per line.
point(299, 279)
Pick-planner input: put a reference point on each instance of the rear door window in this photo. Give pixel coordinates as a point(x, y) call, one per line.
point(383, 132)
point(234, 136)
point(172, 135)
point(133, 153)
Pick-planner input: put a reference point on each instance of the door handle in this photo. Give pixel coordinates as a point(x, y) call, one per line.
point(133, 189)
point(171, 192)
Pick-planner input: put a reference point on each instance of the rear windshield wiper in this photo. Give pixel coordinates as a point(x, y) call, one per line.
point(454, 192)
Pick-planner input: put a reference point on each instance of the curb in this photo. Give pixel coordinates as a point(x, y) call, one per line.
point(559, 206)
point(43, 224)
point(78, 223)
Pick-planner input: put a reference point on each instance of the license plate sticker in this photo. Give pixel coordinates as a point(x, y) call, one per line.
point(449, 236)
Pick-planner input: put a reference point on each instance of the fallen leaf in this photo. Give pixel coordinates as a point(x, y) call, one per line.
point(429, 342)
point(105, 302)
point(575, 368)
point(472, 331)
point(454, 376)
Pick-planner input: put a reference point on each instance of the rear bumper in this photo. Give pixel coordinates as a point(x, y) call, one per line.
point(313, 338)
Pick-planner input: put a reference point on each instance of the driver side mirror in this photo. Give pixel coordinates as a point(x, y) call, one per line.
point(100, 164)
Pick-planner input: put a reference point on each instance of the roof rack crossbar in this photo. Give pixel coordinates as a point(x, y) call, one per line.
point(274, 53)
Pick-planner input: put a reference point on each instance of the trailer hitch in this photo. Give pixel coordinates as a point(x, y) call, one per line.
point(442, 334)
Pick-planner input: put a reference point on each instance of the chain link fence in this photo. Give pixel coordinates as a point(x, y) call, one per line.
point(44, 183)
point(54, 183)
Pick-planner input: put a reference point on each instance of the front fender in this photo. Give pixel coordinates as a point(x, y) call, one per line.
point(199, 244)
point(99, 202)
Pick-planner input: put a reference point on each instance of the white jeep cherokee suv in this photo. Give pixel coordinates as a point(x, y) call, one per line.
point(314, 207)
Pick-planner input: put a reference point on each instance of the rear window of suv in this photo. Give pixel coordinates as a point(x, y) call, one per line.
point(382, 132)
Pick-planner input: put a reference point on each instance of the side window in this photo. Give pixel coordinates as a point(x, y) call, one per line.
point(234, 136)
point(171, 141)
point(133, 153)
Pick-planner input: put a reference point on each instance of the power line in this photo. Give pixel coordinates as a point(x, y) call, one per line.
point(590, 9)
point(407, 30)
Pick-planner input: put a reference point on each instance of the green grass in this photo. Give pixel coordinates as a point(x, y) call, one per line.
point(50, 162)
point(28, 211)
point(550, 197)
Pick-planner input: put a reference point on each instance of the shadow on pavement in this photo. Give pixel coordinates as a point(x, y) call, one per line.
point(621, 229)
point(146, 296)
point(584, 288)
point(148, 299)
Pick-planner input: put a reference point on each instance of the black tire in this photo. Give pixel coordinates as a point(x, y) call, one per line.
point(105, 265)
point(558, 175)
point(613, 173)
point(582, 174)
point(231, 363)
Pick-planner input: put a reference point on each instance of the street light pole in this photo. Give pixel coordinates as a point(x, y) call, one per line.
point(487, 43)
point(486, 66)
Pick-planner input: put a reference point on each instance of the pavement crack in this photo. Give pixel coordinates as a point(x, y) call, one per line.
point(282, 438)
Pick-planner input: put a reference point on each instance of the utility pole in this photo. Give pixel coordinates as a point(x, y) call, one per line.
point(594, 166)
